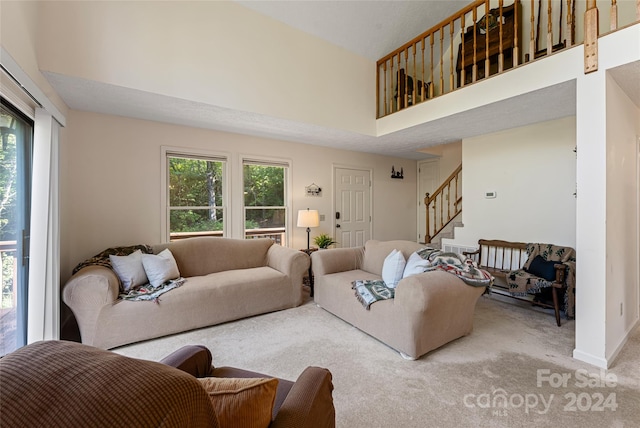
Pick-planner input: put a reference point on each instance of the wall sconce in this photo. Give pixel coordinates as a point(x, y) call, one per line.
point(397, 174)
point(308, 218)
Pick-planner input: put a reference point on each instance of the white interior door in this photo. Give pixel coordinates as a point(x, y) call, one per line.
point(353, 206)
point(428, 181)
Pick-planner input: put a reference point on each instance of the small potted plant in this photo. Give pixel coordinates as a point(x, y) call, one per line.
point(324, 241)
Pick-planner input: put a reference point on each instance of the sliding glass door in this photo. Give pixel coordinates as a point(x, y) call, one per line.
point(16, 145)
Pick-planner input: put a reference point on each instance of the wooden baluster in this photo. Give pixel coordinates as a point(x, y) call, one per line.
point(431, 65)
point(441, 216)
point(591, 33)
point(449, 201)
point(423, 88)
point(442, 59)
point(451, 78)
point(516, 42)
point(386, 111)
point(427, 237)
point(406, 73)
point(487, 62)
point(462, 65)
point(502, 264)
point(457, 175)
point(415, 78)
point(569, 25)
point(500, 53)
point(532, 40)
point(474, 69)
point(393, 89)
point(549, 29)
point(614, 15)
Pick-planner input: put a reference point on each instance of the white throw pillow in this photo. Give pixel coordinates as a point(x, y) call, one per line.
point(129, 269)
point(415, 265)
point(393, 268)
point(160, 268)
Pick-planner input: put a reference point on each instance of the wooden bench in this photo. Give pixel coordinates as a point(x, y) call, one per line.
point(501, 257)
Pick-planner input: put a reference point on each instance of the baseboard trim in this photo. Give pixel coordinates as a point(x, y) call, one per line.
point(623, 342)
point(590, 359)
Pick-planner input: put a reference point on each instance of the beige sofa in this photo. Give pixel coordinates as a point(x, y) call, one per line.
point(226, 279)
point(429, 309)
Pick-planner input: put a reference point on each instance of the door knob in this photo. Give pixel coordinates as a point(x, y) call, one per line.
point(337, 225)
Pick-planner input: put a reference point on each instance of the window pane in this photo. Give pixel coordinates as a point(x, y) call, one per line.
point(196, 206)
point(264, 201)
point(265, 218)
point(15, 192)
point(263, 186)
point(194, 182)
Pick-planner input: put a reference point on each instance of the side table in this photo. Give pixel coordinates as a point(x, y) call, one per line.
point(308, 252)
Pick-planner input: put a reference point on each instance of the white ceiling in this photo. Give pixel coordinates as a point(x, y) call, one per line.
point(368, 28)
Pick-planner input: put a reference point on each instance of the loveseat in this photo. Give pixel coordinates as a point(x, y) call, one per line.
point(429, 309)
point(63, 384)
point(226, 279)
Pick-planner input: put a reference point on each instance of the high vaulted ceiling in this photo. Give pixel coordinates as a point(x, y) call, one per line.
point(367, 28)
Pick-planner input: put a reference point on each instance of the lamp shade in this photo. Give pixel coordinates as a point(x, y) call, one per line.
point(308, 218)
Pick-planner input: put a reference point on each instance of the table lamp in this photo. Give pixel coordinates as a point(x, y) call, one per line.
point(308, 218)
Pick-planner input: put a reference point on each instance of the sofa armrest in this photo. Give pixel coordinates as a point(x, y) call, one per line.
point(193, 359)
point(292, 263)
point(86, 293)
point(325, 262)
point(309, 404)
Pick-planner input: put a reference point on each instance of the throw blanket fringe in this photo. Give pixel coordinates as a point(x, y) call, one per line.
point(369, 291)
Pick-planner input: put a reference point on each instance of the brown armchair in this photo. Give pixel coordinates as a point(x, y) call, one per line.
point(61, 384)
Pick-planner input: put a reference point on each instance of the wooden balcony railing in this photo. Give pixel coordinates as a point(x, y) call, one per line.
point(444, 205)
point(485, 38)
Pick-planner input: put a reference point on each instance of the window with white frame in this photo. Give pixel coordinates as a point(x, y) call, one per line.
point(196, 192)
point(265, 185)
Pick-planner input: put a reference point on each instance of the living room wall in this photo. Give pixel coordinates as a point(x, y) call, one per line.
point(214, 52)
point(111, 181)
point(532, 169)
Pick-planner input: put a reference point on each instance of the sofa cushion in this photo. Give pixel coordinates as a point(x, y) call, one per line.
point(160, 268)
point(202, 256)
point(129, 269)
point(242, 402)
point(543, 268)
point(392, 268)
point(415, 265)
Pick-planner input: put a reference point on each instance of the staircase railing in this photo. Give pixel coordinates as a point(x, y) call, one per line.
point(444, 205)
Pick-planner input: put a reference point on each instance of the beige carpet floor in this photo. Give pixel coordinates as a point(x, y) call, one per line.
point(514, 370)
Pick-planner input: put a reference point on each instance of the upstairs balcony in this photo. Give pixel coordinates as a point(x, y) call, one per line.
point(490, 37)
